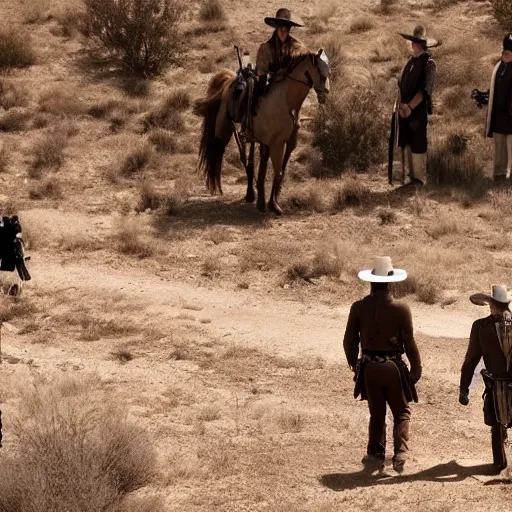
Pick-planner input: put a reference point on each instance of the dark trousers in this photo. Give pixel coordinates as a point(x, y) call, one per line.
point(498, 432)
point(384, 387)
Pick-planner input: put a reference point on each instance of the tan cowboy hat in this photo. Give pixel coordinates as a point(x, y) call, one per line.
point(383, 272)
point(284, 18)
point(499, 294)
point(419, 36)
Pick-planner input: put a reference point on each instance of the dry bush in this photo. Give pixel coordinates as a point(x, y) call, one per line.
point(210, 412)
point(219, 235)
point(427, 289)
point(61, 101)
point(142, 34)
point(118, 120)
point(169, 203)
point(211, 266)
point(439, 5)
point(5, 158)
point(206, 66)
point(136, 86)
point(385, 7)
point(49, 188)
point(168, 113)
point(102, 109)
point(387, 216)
point(129, 239)
point(35, 11)
point(503, 13)
point(122, 355)
point(137, 159)
point(15, 49)
point(352, 193)
point(163, 140)
point(15, 307)
point(333, 50)
point(79, 241)
point(15, 120)
point(360, 25)
point(290, 421)
point(502, 201)
point(390, 49)
point(351, 132)
point(77, 452)
point(449, 164)
point(12, 94)
point(326, 10)
point(48, 152)
point(71, 21)
point(307, 198)
point(456, 101)
point(212, 10)
point(444, 226)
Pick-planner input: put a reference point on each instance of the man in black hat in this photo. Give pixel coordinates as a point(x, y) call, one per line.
point(499, 114)
point(277, 53)
point(416, 86)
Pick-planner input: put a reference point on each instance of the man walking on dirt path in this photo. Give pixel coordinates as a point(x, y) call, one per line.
point(491, 338)
point(383, 328)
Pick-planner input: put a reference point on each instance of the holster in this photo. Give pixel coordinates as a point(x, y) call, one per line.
point(499, 390)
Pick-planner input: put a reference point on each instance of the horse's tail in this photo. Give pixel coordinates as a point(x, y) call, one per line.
point(211, 148)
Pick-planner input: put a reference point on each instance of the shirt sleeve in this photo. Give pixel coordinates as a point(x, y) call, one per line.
point(430, 78)
point(473, 356)
point(410, 347)
point(352, 338)
point(263, 59)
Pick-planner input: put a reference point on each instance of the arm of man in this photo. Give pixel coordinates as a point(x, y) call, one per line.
point(263, 60)
point(352, 339)
point(473, 356)
point(410, 347)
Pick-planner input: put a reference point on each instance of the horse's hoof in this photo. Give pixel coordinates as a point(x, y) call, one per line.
point(250, 197)
point(262, 207)
point(275, 208)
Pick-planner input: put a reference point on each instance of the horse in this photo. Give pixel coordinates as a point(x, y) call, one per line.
point(275, 126)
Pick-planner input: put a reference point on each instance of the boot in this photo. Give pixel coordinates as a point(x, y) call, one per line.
point(419, 168)
point(373, 463)
point(498, 436)
point(259, 89)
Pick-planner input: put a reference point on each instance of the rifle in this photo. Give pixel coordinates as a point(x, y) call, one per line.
point(237, 51)
point(393, 139)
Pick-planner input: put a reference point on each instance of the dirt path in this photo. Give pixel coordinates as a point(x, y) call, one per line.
point(257, 320)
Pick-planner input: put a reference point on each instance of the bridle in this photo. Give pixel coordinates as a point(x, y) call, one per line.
point(309, 80)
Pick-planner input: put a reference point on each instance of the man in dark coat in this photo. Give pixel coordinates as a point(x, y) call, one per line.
point(383, 329)
point(491, 338)
point(416, 86)
point(499, 113)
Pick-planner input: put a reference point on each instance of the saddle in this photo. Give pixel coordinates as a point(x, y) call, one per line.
point(12, 249)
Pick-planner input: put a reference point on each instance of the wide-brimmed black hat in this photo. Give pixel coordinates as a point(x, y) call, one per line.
point(419, 36)
point(284, 18)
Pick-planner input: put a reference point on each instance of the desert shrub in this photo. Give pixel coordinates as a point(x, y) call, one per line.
point(5, 158)
point(351, 131)
point(12, 95)
point(387, 216)
point(142, 34)
point(450, 164)
point(62, 101)
point(118, 120)
point(128, 238)
point(503, 13)
point(163, 140)
point(360, 25)
point(212, 10)
point(78, 452)
point(385, 6)
point(457, 102)
point(71, 21)
point(49, 188)
point(352, 193)
point(35, 11)
point(48, 152)
point(332, 47)
point(168, 113)
point(14, 120)
point(15, 49)
point(136, 159)
point(103, 108)
point(307, 199)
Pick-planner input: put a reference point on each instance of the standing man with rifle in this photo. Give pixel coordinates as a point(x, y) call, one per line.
point(414, 105)
point(491, 338)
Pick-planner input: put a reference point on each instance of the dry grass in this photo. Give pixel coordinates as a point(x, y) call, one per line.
point(71, 21)
point(387, 216)
point(310, 198)
point(333, 49)
point(35, 11)
point(167, 114)
point(15, 307)
point(48, 152)
point(12, 94)
point(219, 235)
point(503, 13)
point(122, 355)
point(5, 158)
point(129, 239)
point(48, 188)
point(16, 49)
point(445, 226)
point(62, 101)
point(352, 193)
point(163, 140)
point(361, 25)
point(15, 120)
point(79, 452)
point(290, 421)
point(210, 412)
point(75, 241)
point(211, 266)
point(168, 203)
point(137, 159)
point(212, 11)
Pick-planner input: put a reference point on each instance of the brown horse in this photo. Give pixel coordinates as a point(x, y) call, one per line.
point(275, 126)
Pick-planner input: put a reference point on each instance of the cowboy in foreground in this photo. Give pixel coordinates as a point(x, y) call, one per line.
point(416, 85)
point(499, 113)
point(383, 328)
point(491, 338)
point(276, 54)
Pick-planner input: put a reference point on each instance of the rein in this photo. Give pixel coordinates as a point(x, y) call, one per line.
point(309, 82)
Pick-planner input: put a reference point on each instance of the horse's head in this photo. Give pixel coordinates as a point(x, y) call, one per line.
point(321, 76)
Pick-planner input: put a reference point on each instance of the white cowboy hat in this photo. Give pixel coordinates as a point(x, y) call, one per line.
point(499, 293)
point(383, 272)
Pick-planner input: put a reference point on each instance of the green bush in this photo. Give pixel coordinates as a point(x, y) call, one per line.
point(141, 33)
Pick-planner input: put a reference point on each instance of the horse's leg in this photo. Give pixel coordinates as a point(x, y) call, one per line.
point(262, 174)
point(290, 147)
point(276, 155)
point(249, 169)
